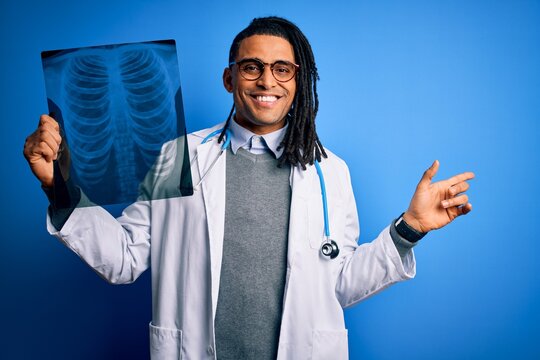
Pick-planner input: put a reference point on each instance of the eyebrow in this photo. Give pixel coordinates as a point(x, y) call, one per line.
point(264, 62)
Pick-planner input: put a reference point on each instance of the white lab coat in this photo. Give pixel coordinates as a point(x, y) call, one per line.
point(181, 238)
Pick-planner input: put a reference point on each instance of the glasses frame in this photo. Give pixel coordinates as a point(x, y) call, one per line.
point(296, 67)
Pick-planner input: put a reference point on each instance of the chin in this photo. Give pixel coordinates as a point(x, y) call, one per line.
point(262, 125)
point(268, 122)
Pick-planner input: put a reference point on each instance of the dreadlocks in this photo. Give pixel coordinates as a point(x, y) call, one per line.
point(301, 145)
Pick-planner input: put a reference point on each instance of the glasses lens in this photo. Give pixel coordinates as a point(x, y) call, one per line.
point(283, 71)
point(251, 69)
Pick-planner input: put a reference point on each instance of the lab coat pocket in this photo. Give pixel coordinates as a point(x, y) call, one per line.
point(165, 344)
point(330, 345)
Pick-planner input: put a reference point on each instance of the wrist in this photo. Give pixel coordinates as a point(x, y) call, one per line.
point(412, 222)
point(406, 230)
point(47, 184)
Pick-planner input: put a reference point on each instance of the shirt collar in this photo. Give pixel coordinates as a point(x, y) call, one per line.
point(257, 144)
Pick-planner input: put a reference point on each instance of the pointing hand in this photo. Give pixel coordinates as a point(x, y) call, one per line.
point(435, 205)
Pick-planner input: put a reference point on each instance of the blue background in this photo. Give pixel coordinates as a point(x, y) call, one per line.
point(402, 83)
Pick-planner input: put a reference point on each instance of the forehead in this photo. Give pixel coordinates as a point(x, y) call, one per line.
point(268, 48)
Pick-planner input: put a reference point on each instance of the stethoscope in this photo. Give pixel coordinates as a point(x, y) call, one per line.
point(329, 248)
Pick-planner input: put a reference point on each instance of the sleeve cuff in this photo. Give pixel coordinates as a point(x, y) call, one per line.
point(403, 245)
point(63, 198)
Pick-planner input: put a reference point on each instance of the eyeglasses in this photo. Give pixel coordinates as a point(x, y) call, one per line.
point(252, 69)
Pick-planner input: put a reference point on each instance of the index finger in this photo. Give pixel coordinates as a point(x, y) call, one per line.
point(46, 119)
point(456, 179)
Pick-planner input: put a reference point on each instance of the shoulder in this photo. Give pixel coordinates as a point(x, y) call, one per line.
point(336, 173)
point(201, 134)
point(334, 162)
point(193, 139)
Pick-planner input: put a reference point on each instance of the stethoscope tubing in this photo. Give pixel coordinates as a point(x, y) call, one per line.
point(225, 145)
point(324, 201)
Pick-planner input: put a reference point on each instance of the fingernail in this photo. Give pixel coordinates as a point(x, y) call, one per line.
point(445, 204)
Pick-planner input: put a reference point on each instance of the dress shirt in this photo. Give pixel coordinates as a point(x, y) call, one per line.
point(256, 144)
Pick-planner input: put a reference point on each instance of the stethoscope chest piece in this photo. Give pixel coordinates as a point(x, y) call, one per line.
point(330, 249)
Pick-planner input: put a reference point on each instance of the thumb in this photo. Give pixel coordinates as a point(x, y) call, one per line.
point(429, 174)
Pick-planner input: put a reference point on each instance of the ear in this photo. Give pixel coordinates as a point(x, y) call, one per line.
point(228, 80)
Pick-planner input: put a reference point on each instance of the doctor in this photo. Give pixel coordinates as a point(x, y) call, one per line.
point(237, 268)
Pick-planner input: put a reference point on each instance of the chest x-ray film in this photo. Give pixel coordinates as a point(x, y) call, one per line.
point(117, 105)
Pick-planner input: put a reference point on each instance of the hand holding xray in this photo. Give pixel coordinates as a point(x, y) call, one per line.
point(44, 146)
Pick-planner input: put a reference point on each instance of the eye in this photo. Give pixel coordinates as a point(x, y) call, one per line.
point(251, 68)
point(282, 69)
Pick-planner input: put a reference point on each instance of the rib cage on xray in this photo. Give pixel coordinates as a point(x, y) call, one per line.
point(118, 108)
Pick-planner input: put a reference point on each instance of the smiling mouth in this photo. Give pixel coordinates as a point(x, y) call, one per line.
point(265, 98)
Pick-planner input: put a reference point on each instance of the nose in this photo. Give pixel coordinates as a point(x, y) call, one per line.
point(267, 79)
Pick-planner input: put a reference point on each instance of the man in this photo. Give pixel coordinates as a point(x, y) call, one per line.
point(237, 271)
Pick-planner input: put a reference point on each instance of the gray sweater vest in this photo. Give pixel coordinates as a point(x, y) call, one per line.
point(249, 308)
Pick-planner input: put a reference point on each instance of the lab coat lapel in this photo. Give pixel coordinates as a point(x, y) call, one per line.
point(303, 184)
point(213, 192)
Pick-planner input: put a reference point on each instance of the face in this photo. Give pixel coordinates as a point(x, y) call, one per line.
point(262, 104)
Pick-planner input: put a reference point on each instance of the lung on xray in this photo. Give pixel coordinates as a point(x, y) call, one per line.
point(117, 105)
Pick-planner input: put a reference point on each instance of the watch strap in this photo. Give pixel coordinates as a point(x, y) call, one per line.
point(407, 231)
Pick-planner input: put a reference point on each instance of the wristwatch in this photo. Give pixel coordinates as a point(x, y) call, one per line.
point(407, 231)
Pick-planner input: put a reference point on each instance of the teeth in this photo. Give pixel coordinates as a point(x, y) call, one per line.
point(267, 98)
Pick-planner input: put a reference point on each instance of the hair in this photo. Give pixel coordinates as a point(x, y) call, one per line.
point(301, 145)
